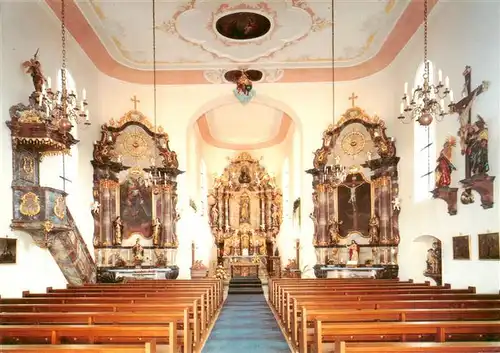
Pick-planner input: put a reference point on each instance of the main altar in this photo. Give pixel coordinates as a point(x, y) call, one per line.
point(245, 217)
point(135, 200)
point(356, 204)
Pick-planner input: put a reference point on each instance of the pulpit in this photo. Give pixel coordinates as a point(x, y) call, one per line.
point(245, 214)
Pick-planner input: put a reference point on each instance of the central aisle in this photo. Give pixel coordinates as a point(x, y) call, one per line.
point(246, 325)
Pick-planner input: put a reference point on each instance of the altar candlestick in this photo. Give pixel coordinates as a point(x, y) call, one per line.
point(406, 88)
point(451, 96)
point(193, 247)
point(84, 94)
point(440, 76)
point(49, 83)
point(402, 108)
point(297, 249)
point(447, 82)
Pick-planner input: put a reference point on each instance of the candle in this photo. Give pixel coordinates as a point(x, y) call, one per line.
point(49, 83)
point(451, 96)
point(402, 108)
point(447, 82)
point(406, 88)
point(440, 76)
point(87, 116)
point(337, 160)
point(441, 103)
point(84, 94)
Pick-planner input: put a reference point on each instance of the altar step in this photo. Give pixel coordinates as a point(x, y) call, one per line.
point(245, 285)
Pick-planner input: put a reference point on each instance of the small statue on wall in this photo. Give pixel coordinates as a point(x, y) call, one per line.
point(433, 262)
point(118, 230)
point(374, 230)
point(444, 166)
point(334, 230)
point(34, 68)
point(156, 231)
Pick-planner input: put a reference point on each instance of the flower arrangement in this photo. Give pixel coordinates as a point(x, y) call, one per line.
point(220, 272)
point(198, 265)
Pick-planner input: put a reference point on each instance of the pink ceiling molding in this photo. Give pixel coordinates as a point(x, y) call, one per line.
point(84, 34)
point(207, 136)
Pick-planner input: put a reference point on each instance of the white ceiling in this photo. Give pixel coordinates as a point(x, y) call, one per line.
point(244, 124)
point(186, 38)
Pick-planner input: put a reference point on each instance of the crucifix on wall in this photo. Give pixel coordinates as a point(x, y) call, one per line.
point(474, 145)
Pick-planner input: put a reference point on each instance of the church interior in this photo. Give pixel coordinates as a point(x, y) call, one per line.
point(295, 176)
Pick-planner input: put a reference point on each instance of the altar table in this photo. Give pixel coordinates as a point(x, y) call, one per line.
point(244, 269)
point(351, 272)
point(141, 273)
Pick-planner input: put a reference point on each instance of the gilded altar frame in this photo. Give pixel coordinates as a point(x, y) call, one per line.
point(236, 233)
point(381, 162)
point(133, 157)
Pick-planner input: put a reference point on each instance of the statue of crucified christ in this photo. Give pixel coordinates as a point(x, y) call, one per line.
point(352, 201)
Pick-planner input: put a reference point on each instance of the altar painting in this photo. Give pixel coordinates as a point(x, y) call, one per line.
point(355, 206)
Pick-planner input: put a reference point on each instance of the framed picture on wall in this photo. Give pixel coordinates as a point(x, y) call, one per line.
point(8, 250)
point(489, 246)
point(461, 247)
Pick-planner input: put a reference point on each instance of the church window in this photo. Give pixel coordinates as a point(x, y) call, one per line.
point(203, 188)
point(424, 138)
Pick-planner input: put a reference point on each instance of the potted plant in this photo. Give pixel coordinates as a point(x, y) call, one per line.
point(198, 270)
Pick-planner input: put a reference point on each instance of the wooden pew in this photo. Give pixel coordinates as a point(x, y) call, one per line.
point(104, 318)
point(149, 347)
point(104, 333)
point(301, 332)
point(412, 347)
point(440, 331)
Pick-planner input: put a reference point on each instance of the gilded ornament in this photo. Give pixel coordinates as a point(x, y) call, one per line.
point(48, 226)
point(28, 164)
point(353, 143)
point(136, 144)
point(30, 117)
point(60, 208)
point(30, 204)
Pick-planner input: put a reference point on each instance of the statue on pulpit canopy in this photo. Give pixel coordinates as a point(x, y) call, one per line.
point(118, 230)
point(245, 208)
point(156, 231)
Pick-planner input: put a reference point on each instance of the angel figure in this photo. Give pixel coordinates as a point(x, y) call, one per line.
point(95, 207)
point(396, 204)
point(34, 68)
point(445, 167)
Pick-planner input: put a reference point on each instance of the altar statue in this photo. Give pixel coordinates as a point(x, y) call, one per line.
point(444, 166)
point(334, 230)
point(156, 231)
point(138, 252)
point(374, 230)
point(118, 230)
point(353, 251)
point(214, 215)
point(245, 209)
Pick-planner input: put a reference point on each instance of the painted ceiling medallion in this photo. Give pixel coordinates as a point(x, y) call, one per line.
point(243, 26)
point(234, 75)
point(243, 32)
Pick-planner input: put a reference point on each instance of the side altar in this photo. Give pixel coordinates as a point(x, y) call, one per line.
point(356, 204)
point(246, 215)
point(135, 199)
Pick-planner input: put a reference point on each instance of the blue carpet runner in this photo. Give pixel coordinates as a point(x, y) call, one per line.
point(246, 325)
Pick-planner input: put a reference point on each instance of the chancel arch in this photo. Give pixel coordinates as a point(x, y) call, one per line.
point(356, 211)
point(135, 195)
point(246, 211)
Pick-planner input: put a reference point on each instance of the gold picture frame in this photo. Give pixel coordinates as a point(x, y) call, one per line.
point(488, 246)
point(461, 247)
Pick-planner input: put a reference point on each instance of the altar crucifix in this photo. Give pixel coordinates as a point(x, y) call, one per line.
point(474, 145)
point(354, 199)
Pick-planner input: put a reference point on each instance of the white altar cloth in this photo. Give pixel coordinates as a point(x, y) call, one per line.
point(141, 273)
point(351, 272)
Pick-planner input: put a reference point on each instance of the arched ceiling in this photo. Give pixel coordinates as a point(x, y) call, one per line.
point(116, 35)
point(244, 127)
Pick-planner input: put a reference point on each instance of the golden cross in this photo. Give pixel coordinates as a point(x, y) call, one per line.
point(135, 100)
point(352, 98)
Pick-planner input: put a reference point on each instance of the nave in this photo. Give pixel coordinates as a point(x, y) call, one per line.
point(316, 315)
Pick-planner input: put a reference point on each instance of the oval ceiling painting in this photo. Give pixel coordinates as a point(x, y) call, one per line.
point(243, 25)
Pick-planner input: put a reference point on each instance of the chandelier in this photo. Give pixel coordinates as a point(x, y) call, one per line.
point(64, 106)
point(427, 102)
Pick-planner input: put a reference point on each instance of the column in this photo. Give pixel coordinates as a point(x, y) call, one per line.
point(107, 222)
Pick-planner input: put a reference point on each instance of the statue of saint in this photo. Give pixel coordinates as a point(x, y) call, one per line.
point(353, 251)
point(434, 259)
point(118, 229)
point(275, 216)
point(444, 166)
point(244, 176)
point(156, 231)
point(245, 209)
point(34, 68)
point(334, 230)
point(374, 230)
point(138, 252)
point(477, 147)
point(214, 215)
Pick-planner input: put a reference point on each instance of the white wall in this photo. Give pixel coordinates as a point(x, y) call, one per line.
point(35, 268)
point(460, 34)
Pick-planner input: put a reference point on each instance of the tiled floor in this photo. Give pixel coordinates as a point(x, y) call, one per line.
point(246, 325)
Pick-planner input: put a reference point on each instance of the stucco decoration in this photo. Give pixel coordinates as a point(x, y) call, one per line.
point(288, 24)
point(218, 76)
